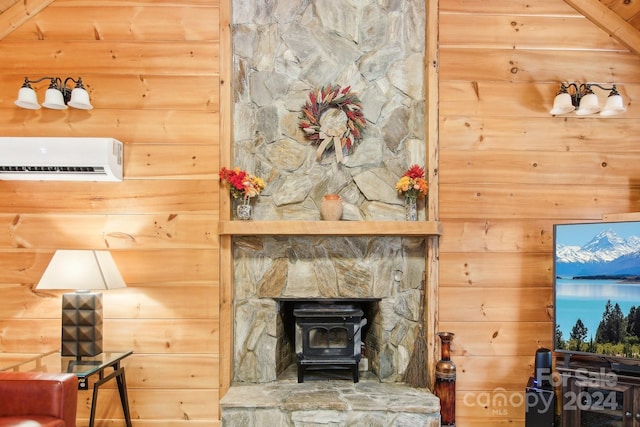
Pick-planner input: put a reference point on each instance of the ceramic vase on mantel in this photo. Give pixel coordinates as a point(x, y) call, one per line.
point(331, 207)
point(445, 387)
point(411, 208)
point(244, 210)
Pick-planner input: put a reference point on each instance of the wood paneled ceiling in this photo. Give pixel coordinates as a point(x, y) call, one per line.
point(6, 4)
point(629, 10)
point(14, 13)
point(619, 18)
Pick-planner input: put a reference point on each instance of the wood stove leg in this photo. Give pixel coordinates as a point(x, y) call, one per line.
point(300, 373)
point(356, 373)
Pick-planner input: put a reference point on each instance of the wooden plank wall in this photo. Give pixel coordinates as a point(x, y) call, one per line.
point(509, 171)
point(152, 69)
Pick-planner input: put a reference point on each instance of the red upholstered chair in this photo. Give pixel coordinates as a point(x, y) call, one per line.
point(38, 399)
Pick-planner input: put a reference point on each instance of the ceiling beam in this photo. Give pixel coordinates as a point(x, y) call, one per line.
point(609, 21)
point(20, 13)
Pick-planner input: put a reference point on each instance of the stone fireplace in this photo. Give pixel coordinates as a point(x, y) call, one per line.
point(384, 274)
point(281, 51)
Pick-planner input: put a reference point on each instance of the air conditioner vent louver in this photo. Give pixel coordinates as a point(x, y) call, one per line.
point(53, 169)
point(61, 159)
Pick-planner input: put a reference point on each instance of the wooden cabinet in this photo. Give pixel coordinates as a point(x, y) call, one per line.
point(596, 396)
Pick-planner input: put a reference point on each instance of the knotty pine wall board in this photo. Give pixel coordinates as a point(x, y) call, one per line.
point(163, 336)
point(508, 171)
point(121, 22)
point(524, 32)
point(181, 407)
point(522, 100)
point(161, 161)
point(113, 231)
point(510, 8)
point(150, 196)
point(496, 409)
point(139, 267)
point(118, 93)
point(515, 367)
point(540, 167)
point(501, 339)
point(492, 304)
point(23, 301)
point(497, 235)
point(159, 267)
point(152, 336)
point(150, 370)
point(519, 65)
point(128, 126)
point(561, 134)
point(156, 88)
point(497, 270)
point(527, 201)
point(59, 58)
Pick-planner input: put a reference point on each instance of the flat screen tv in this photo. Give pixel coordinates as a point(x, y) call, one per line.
point(597, 291)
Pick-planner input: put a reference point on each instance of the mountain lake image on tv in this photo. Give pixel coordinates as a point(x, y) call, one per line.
point(597, 288)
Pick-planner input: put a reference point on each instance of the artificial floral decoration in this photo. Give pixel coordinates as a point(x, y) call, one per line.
point(333, 118)
point(242, 184)
point(412, 183)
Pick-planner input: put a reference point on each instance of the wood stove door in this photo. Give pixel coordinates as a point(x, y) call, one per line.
point(327, 341)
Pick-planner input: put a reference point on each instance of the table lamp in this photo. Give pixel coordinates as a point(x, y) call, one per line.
point(84, 271)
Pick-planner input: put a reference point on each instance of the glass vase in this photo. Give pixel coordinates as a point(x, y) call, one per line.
point(244, 210)
point(411, 208)
point(445, 387)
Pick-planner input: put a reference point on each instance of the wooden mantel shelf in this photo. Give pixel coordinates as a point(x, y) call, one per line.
point(330, 228)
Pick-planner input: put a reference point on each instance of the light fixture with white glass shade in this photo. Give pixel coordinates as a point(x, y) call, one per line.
point(580, 98)
point(57, 97)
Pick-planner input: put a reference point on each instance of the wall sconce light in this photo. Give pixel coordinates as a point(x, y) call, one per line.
point(57, 97)
point(580, 98)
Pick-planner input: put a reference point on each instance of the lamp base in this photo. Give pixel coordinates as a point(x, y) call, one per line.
point(81, 324)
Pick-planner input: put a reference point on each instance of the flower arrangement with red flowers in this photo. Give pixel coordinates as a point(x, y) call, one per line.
point(412, 183)
point(242, 184)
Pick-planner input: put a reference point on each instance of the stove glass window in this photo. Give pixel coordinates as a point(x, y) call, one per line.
point(320, 337)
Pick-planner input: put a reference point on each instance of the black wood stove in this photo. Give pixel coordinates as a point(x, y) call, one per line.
point(328, 336)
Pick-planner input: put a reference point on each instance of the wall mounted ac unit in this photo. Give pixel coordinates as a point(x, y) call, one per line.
point(60, 159)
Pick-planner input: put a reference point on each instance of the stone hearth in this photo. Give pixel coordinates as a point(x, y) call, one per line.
point(329, 403)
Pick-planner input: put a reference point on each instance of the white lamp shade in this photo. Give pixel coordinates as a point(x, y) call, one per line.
point(588, 105)
point(81, 270)
point(80, 99)
point(562, 104)
point(613, 106)
point(27, 98)
point(53, 99)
